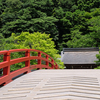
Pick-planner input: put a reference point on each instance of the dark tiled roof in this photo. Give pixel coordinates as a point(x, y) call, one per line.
point(80, 49)
point(80, 57)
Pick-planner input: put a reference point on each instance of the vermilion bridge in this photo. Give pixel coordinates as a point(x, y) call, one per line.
point(49, 84)
point(7, 75)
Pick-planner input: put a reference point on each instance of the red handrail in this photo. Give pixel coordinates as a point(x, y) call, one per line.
point(7, 62)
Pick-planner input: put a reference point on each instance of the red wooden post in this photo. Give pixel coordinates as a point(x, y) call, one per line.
point(27, 63)
point(39, 61)
point(52, 64)
point(56, 67)
point(47, 63)
point(6, 70)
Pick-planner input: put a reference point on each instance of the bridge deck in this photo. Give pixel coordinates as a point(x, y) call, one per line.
point(54, 85)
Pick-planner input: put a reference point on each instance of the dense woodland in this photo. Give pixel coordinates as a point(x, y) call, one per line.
point(70, 23)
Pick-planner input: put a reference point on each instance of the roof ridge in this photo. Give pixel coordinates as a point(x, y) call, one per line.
point(80, 49)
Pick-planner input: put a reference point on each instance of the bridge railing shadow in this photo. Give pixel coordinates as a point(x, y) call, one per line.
point(43, 61)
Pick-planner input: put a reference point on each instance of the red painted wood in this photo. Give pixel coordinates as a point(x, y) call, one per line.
point(47, 63)
point(52, 63)
point(18, 60)
point(6, 69)
point(7, 75)
point(39, 60)
point(3, 79)
point(19, 71)
point(3, 64)
point(27, 63)
point(42, 66)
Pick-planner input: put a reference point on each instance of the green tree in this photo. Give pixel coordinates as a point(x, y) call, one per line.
point(60, 18)
point(94, 28)
point(87, 5)
point(98, 62)
point(37, 41)
point(31, 16)
point(2, 42)
point(2, 45)
point(86, 31)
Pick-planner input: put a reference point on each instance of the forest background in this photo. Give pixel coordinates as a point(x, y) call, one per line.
point(70, 23)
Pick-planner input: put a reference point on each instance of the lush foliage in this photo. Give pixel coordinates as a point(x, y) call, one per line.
point(86, 32)
point(37, 41)
point(67, 21)
point(98, 62)
point(70, 23)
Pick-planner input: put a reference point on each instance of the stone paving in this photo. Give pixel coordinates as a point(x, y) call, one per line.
point(81, 84)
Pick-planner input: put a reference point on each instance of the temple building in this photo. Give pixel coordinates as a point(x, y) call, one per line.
point(79, 58)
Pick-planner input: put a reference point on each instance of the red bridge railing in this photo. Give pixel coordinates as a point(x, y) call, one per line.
point(7, 62)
